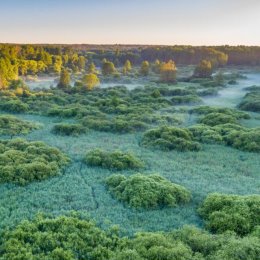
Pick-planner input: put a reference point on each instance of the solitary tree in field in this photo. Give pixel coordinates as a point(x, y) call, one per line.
point(168, 71)
point(92, 68)
point(64, 79)
point(108, 68)
point(90, 81)
point(156, 66)
point(145, 67)
point(127, 67)
point(204, 69)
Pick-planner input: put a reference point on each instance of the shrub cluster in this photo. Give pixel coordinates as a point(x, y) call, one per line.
point(113, 160)
point(205, 110)
point(147, 191)
point(10, 125)
point(231, 213)
point(215, 118)
point(22, 162)
point(245, 139)
point(69, 129)
point(14, 106)
point(189, 99)
point(170, 138)
point(251, 101)
point(74, 238)
point(115, 125)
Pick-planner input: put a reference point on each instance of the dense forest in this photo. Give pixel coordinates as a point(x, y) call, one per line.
point(133, 152)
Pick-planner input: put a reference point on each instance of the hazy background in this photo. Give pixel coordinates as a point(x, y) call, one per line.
point(200, 22)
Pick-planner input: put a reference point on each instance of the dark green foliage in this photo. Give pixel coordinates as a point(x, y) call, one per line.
point(63, 238)
point(14, 106)
point(113, 160)
point(226, 246)
point(170, 138)
point(231, 213)
point(204, 110)
point(10, 125)
point(69, 129)
point(22, 162)
point(115, 125)
point(189, 99)
point(251, 101)
point(147, 191)
point(205, 134)
point(245, 139)
point(74, 238)
point(213, 119)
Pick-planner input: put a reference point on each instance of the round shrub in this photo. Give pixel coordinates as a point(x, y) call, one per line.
point(205, 134)
point(147, 191)
point(170, 138)
point(113, 160)
point(22, 162)
point(213, 119)
point(61, 238)
point(231, 213)
point(69, 129)
point(14, 106)
point(10, 125)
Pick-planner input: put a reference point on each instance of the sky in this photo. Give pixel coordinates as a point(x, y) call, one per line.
point(162, 22)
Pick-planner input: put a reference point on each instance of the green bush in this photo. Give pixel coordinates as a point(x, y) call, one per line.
point(10, 125)
point(115, 125)
point(231, 213)
point(189, 99)
point(239, 137)
point(113, 160)
point(76, 238)
point(14, 106)
point(142, 191)
point(204, 110)
point(69, 129)
point(63, 238)
point(251, 101)
point(213, 119)
point(205, 134)
point(170, 138)
point(22, 162)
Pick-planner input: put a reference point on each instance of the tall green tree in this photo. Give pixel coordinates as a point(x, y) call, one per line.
point(108, 68)
point(127, 67)
point(90, 81)
point(64, 82)
point(145, 68)
point(204, 69)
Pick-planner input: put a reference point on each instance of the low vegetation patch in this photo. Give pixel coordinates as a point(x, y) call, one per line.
point(231, 213)
point(189, 99)
point(245, 139)
point(213, 119)
point(22, 162)
point(74, 238)
point(14, 106)
point(113, 160)
point(170, 138)
point(10, 125)
point(251, 101)
point(69, 129)
point(114, 125)
point(205, 110)
point(147, 191)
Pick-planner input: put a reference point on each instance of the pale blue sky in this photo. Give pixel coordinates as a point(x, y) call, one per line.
point(194, 22)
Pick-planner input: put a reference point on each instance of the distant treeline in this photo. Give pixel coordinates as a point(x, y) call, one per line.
point(22, 60)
